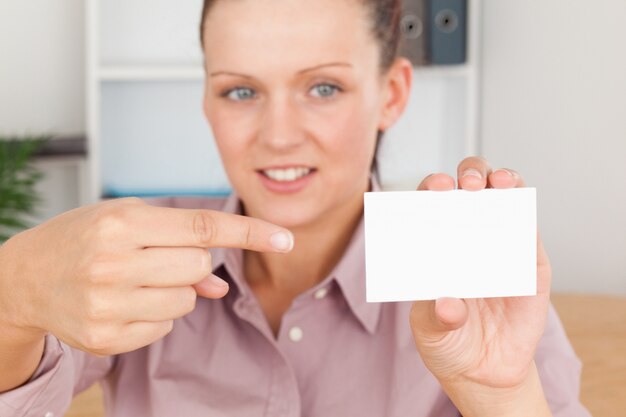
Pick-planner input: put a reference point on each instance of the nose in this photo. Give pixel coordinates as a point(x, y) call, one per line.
point(280, 128)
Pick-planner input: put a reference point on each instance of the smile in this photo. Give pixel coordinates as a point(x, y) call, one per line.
point(287, 174)
point(286, 179)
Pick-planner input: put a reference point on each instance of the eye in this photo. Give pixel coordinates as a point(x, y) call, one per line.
point(239, 93)
point(325, 90)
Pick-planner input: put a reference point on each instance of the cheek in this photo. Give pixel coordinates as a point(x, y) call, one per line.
point(348, 134)
point(232, 136)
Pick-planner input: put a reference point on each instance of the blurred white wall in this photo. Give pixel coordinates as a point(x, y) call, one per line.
point(42, 86)
point(554, 108)
point(42, 66)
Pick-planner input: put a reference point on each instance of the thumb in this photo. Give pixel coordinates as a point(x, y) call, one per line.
point(211, 287)
point(434, 319)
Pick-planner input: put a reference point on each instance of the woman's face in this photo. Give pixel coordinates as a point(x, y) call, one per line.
point(295, 97)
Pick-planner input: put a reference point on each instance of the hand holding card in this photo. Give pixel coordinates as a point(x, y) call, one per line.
point(480, 349)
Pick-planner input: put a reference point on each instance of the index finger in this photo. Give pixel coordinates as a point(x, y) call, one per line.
point(173, 227)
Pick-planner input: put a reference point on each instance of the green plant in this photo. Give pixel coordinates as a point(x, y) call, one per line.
point(18, 177)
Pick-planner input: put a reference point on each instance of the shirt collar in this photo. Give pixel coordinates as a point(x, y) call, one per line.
point(349, 273)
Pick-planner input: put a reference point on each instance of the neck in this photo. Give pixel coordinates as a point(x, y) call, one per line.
point(319, 247)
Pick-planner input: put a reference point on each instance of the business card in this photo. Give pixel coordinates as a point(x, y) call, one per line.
point(423, 245)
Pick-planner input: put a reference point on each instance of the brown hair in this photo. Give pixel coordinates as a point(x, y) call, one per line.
point(385, 20)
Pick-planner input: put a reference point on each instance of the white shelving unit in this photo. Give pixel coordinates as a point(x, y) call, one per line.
point(440, 126)
point(147, 134)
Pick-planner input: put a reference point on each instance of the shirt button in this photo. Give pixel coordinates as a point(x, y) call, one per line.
point(321, 293)
point(295, 334)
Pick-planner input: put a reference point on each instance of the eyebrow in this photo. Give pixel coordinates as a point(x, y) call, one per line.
point(330, 64)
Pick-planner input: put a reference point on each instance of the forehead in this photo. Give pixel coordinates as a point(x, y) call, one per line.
point(256, 34)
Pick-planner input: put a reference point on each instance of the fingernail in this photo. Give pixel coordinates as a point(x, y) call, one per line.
point(282, 241)
point(509, 173)
point(218, 281)
point(472, 173)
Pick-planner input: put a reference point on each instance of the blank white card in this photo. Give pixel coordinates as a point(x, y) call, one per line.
point(423, 245)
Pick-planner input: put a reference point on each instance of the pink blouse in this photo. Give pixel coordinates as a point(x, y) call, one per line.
point(335, 355)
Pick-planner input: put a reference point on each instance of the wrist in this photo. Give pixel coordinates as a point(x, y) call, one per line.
point(17, 338)
point(14, 325)
point(21, 345)
point(474, 400)
point(20, 354)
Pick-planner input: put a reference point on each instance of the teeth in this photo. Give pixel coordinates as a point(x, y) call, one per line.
point(289, 174)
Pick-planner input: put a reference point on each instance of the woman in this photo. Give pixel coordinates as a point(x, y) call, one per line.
point(297, 94)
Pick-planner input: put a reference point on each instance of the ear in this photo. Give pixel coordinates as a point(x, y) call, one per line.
point(397, 85)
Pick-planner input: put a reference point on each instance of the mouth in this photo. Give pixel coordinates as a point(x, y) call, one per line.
point(286, 174)
point(286, 179)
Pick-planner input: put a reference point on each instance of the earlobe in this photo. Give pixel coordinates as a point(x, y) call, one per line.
point(399, 81)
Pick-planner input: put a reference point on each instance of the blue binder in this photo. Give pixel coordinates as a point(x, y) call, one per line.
point(447, 40)
point(434, 32)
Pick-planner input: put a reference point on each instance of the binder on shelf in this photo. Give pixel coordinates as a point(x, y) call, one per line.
point(414, 31)
point(448, 31)
point(434, 32)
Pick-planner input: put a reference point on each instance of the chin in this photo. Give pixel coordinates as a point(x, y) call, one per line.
point(288, 215)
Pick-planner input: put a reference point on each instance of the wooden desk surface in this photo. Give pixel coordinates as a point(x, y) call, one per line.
point(596, 325)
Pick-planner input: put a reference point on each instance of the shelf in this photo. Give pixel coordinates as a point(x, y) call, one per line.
point(443, 71)
point(151, 73)
point(69, 146)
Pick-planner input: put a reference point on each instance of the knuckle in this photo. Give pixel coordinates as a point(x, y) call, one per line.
point(98, 340)
point(204, 227)
point(97, 308)
point(247, 233)
point(98, 270)
point(110, 222)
